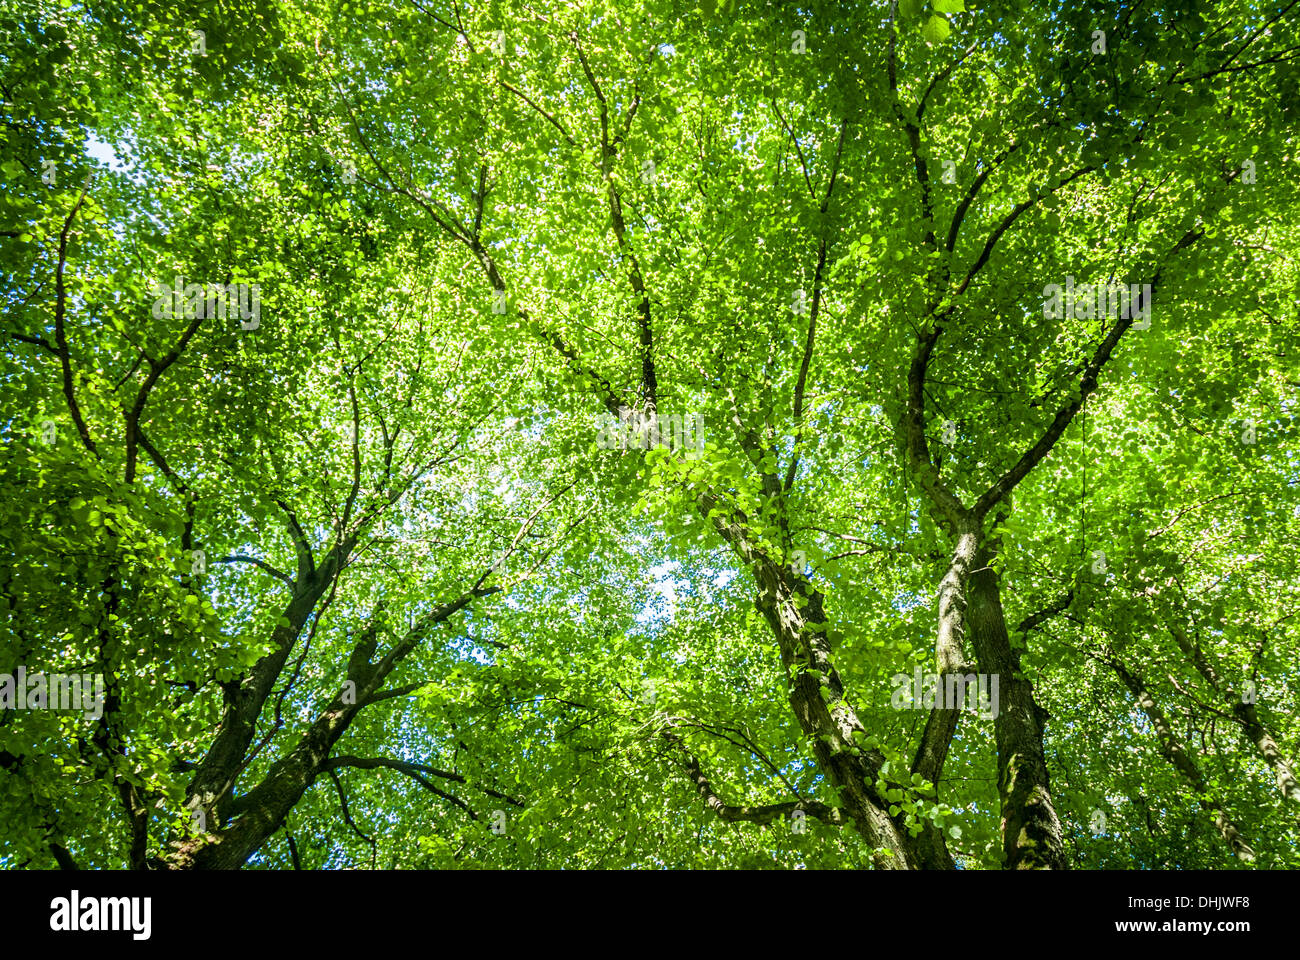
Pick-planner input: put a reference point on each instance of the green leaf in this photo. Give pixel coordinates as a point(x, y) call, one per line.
point(936, 29)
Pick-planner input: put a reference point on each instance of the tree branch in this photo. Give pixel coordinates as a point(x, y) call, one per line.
point(60, 335)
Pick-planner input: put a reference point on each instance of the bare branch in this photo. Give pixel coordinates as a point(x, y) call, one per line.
point(240, 558)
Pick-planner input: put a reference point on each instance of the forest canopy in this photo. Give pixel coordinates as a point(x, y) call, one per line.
point(650, 433)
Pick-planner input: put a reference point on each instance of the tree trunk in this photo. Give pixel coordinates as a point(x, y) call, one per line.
point(941, 725)
point(795, 613)
point(1031, 832)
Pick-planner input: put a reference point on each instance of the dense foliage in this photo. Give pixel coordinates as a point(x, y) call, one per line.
point(379, 572)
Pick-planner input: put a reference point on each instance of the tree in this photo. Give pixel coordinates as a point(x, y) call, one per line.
point(638, 398)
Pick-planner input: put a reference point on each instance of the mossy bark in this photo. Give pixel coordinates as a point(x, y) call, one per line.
point(1032, 838)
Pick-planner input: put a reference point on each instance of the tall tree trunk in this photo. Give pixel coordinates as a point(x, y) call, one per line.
point(1031, 832)
point(941, 725)
point(797, 618)
point(794, 611)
